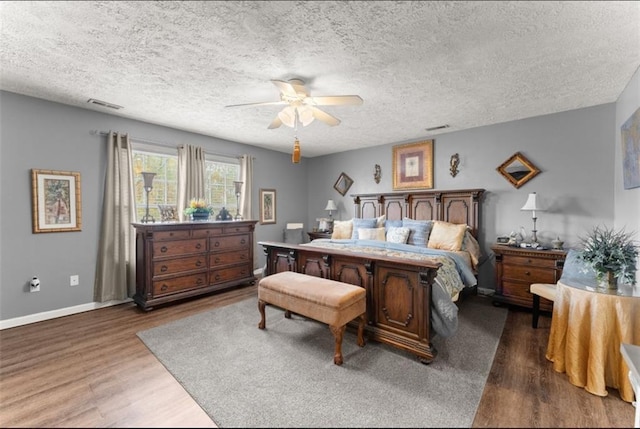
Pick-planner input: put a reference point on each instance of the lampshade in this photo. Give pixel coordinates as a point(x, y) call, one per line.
point(305, 115)
point(288, 116)
point(331, 205)
point(148, 180)
point(533, 204)
point(238, 187)
point(295, 156)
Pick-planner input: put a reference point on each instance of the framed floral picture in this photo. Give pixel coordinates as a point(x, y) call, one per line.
point(413, 165)
point(56, 201)
point(267, 206)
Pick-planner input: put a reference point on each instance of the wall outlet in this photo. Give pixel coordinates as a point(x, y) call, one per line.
point(74, 280)
point(34, 285)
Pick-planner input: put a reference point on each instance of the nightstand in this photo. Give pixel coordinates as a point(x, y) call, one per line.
point(517, 268)
point(318, 234)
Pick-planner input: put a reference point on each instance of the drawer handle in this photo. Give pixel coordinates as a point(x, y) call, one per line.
point(198, 246)
point(527, 273)
point(217, 276)
point(217, 260)
point(217, 244)
point(198, 263)
point(163, 249)
point(164, 287)
point(199, 281)
point(243, 241)
point(163, 268)
point(243, 257)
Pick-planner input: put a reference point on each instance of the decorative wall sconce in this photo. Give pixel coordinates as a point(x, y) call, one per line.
point(377, 174)
point(148, 186)
point(455, 161)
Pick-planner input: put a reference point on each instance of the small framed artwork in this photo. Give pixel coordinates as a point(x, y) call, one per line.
point(631, 151)
point(56, 201)
point(413, 165)
point(343, 184)
point(267, 206)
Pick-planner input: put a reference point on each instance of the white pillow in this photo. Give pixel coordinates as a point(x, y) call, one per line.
point(371, 234)
point(398, 234)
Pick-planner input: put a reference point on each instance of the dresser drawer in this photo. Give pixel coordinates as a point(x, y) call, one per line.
point(529, 274)
point(527, 260)
point(236, 229)
point(179, 247)
point(179, 234)
point(227, 258)
point(177, 284)
point(204, 233)
point(231, 242)
point(231, 273)
point(172, 266)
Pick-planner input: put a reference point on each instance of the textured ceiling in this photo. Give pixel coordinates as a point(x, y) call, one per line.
point(416, 64)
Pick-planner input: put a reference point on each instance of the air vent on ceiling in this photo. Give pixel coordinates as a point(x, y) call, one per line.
point(104, 104)
point(441, 127)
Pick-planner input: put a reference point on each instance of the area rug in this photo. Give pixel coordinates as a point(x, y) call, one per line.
point(284, 376)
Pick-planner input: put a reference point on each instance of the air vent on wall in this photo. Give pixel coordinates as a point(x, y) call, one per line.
point(104, 104)
point(441, 127)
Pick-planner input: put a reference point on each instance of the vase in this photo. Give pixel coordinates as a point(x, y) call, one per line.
point(612, 280)
point(200, 216)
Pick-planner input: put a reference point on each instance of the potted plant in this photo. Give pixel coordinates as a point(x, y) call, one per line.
point(198, 209)
point(612, 254)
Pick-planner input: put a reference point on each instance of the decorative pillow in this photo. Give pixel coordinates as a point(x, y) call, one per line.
point(471, 245)
point(398, 234)
point(420, 230)
point(362, 223)
point(342, 229)
point(294, 236)
point(371, 234)
point(389, 223)
point(446, 236)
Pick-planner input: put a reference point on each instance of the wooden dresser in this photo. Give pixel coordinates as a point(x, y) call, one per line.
point(176, 260)
point(517, 268)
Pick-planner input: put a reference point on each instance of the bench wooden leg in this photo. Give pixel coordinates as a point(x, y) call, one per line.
point(263, 322)
point(287, 314)
point(338, 333)
point(361, 322)
point(535, 311)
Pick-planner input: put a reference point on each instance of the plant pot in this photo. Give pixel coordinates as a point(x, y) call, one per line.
point(200, 216)
point(612, 280)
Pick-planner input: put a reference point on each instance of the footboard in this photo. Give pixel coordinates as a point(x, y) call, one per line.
point(398, 291)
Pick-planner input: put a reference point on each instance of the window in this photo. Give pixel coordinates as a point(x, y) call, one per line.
point(220, 173)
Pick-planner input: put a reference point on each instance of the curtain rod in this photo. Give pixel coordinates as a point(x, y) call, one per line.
point(155, 143)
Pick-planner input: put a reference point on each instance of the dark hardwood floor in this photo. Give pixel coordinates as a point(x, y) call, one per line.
point(91, 370)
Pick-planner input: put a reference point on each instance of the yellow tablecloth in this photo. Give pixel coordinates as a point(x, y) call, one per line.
point(587, 329)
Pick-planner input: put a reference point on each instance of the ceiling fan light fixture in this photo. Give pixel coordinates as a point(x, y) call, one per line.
point(305, 114)
point(288, 116)
point(295, 156)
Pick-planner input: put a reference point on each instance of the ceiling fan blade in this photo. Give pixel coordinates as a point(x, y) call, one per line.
point(285, 87)
point(275, 123)
point(265, 103)
point(324, 116)
point(334, 100)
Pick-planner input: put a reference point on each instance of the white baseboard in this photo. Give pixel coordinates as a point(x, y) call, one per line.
point(46, 315)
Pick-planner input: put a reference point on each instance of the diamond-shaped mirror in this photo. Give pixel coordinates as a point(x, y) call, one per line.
point(518, 170)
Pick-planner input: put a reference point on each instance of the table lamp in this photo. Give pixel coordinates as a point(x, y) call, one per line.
point(331, 206)
point(148, 186)
point(533, 205)
point(238, 188)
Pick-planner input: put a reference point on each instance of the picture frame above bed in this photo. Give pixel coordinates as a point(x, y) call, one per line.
point(413, 166)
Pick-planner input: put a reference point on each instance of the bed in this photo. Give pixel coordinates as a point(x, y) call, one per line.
point(412, 285)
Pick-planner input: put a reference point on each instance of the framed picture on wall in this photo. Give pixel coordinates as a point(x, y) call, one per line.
point(267, 206)
point(413, 165)
point(631, 151)
point(56, 201)
point(343, 184)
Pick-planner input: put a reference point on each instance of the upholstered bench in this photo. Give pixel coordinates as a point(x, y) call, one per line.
point(326, 301)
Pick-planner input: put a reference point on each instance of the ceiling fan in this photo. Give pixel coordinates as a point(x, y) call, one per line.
point(301, 107)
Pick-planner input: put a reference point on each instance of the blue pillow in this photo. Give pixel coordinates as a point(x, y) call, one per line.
point(420, 230)
point(362, 223)
point(389, 223)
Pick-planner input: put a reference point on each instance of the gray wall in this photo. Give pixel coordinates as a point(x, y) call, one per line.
point(43, 135)
point(572, 149)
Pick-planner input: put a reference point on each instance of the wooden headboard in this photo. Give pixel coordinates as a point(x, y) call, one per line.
point(455, 206)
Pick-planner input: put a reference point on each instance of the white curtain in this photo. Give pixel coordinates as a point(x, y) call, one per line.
point(191, 166)
point(246, 176)
point(116, 268)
